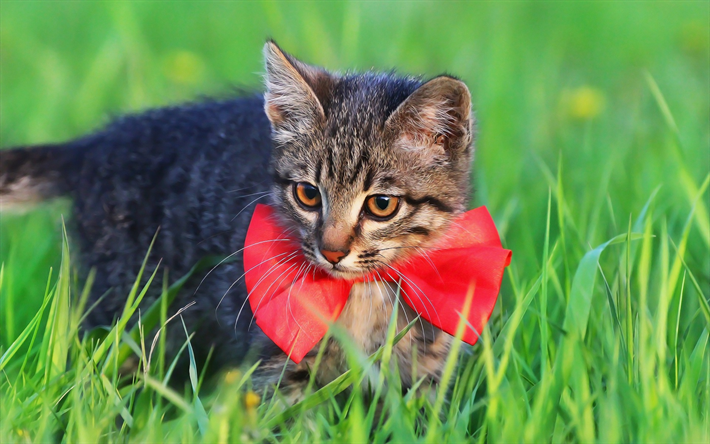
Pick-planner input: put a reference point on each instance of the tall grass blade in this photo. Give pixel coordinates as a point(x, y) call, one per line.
point(198, 409)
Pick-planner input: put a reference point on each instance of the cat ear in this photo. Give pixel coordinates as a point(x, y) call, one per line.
point(295, 92)
point(435, 120)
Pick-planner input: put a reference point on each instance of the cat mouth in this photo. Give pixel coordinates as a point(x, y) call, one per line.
point(351, 271)
point(340, 271)
point(343, 272)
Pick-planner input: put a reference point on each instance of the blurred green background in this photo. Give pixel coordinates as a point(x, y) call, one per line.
point(592, 105)
point(552, 82)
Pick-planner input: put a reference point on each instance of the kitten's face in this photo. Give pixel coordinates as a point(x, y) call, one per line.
point(369, 169)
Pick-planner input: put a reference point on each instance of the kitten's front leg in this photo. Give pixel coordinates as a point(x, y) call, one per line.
point(279, 372)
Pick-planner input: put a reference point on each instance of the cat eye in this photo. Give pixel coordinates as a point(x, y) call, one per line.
point(307, 195)
point(382, 207)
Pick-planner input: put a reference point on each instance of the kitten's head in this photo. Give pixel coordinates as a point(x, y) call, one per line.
point(369, 168)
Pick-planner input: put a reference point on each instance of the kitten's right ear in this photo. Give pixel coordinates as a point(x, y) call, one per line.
point(295, 92)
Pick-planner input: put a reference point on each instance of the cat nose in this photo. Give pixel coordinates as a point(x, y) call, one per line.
point(334, 256)
point(335, 241)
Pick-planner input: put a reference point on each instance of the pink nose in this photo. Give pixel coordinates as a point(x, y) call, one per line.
point(333, 256)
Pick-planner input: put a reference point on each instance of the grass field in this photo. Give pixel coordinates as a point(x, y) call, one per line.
point(593, 157)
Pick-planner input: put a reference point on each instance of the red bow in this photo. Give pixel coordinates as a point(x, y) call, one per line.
point(294, 303)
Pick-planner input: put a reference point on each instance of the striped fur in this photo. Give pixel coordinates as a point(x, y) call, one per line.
point(354, 136)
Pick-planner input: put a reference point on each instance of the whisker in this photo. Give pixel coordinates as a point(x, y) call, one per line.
point(416, 292)
point(394, 306)
point(305, 273)
point(369, 291)
point(232, 255)
point(221, 232)
point(253, 185)
point(447, 234)
point(453, 222)
point(244, 274)
point(261, 279)
point(404, 310)
point(380, 285)
point(250, 194)
point(426, 256)
point(283, 260)
point(271, 269)
point(253, 315)
point(421, 323)
point(288, 298)
point(247, 206)
point(390, 291)
point(406, 246)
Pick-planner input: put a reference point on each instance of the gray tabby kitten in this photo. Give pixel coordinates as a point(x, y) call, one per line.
point(365, 169)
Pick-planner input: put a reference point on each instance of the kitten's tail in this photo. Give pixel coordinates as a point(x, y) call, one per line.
point(30, 175)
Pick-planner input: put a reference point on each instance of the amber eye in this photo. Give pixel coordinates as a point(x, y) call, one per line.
point(382, 207)
point(307, 195)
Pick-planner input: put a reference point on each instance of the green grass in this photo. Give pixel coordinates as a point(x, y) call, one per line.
point(592, 156)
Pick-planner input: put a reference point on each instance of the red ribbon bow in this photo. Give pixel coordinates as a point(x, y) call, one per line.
point(294, 308)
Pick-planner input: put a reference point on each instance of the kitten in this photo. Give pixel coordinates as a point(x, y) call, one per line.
point(359, 166)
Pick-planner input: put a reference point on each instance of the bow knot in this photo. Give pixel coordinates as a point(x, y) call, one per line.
point(294, 302)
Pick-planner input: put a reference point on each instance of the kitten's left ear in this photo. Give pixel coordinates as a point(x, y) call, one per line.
point(297, 94)
point(436, 119)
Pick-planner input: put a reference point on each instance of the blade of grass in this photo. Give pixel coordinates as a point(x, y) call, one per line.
point(197, 407)
point(575, 326)
point(342, 382)
point(31, 329)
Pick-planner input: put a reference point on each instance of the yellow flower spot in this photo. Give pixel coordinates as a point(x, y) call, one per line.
point(694, 38)
point(232, 376)
point(251, 400)
point(183, 67)
point(585, 103)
